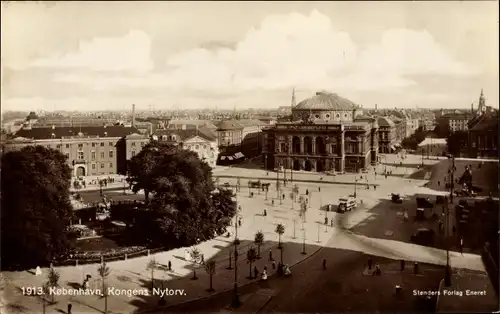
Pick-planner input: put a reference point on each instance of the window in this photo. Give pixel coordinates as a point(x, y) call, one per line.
point(67, 155)
point(327, 116)
point(93, 166)
point(111, 165)
point(93, 155)
point(102, 165)
point(80, 146)
point(133, 153)
point(81, 156)
point(189, 146)
point(338, 116)
point(283, 147)
point(317, 116)
point(111, 144)
point(102, 155)
point(110, 154)
point(133, 143)
point(58, 145)
point(345, 115)
point(93, 145)
point(102, 144)
point(67, 145)
point(197, 147)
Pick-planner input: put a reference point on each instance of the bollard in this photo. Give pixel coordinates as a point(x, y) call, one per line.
point(402, 264)
point(415, 268)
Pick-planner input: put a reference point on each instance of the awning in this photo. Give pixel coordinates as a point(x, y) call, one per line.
point(230, 157)
point(222, 157)
point(238, 155)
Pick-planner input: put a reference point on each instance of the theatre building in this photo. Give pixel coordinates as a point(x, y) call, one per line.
point(322, 136)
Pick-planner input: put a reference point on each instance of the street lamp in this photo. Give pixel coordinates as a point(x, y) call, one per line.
point(447, 274)
point(235, 301)
point(303, 240)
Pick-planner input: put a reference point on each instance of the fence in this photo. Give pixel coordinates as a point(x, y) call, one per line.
point(116, 257)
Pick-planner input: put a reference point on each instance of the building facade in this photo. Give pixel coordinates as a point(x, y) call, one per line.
point(243, 136)
point(386, 135)
point(201, 143)
point(323, 136)
point(90, 151)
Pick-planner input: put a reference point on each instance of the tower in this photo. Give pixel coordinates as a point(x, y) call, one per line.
point(133, 115)
point(482, 103)
point(472, 108)
point(294, 102)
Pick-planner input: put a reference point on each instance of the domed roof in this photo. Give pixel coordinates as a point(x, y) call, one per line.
point(326, 101)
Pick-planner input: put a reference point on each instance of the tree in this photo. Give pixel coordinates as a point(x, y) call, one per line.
point(52, 281)
point(259, 240)
point(104, 272)
point(210, 269)
point(303, 209)
point(238, 184)
point(36, 207)
point(195, 255)
point(152, 265)
point(280, 229)
point(185, 207)
point(251, 258)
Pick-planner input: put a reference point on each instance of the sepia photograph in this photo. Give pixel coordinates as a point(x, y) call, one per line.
point(249, 157)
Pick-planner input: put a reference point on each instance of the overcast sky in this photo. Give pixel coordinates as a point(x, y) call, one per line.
point(98, 55)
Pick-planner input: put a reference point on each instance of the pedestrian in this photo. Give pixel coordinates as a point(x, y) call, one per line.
point(255, 272)
point(271, 256)
point(283, 195)
point(324, 264)
point(272, 202)
point(169, 265)
point(331, 223)
point(439, 183)
point(239, 222)
point(203, 258)
point(319, 189)
point(69, 307)
point(307, 191)
point(326, 221)
point(265, 212)
point(462, 246)
point(374, 187)
point(274, 264)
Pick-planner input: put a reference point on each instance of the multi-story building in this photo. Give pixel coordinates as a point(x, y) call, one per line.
point(400, 130)
point(240, 136)
point(412, 124)
point(483, 132)
point(386, 135)
point(91, 150)
point(322, 136)
point(427, 121)
point(201, 143)
point(454, 122)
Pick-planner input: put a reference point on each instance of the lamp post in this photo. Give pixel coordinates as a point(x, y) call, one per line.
point(318, 233)
point(447, 274)
point(303, 240)
point(235, 302)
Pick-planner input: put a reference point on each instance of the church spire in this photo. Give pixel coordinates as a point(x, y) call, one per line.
point(294, 102)
point(482, 102)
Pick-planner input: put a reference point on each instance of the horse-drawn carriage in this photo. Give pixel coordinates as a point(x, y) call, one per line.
point(254, 184)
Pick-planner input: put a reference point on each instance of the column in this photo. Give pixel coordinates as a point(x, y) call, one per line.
point(290, 142)
point(342, 151)
point(302, 144)
point(313, 145)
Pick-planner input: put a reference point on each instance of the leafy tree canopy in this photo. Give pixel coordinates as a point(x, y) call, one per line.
point(35, 206)
point(185, 206)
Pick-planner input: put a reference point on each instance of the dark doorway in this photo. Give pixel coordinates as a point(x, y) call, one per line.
point(320, 145)
point(308, 146)
point(308, 166)
point(296, 165)
point(296, 145)
point(320, 166)
point(80, 172)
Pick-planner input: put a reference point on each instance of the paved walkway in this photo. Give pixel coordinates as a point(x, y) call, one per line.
point(132, 274)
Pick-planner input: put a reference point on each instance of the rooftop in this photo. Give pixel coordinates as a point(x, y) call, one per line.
point(43, 133)
point(326, 101)
point(186, 134)
point(238, 124)
point(385, 121)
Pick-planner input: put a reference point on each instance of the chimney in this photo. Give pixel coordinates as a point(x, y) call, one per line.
point(376, 107)
point(133, 115)
point(472, 108)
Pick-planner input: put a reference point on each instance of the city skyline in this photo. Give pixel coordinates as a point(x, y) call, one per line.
point(209, 54)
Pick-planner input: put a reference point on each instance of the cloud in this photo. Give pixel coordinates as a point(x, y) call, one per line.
point(131, 52)
point(285, 51)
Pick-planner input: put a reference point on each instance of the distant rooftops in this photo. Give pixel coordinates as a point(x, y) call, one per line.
point(238, 124)
point(42, 133)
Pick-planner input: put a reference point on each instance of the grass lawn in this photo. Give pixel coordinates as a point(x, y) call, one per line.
point(96, 244)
